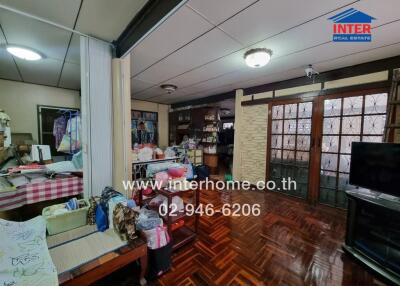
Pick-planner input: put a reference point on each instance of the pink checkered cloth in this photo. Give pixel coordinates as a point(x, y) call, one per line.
point(38, 192)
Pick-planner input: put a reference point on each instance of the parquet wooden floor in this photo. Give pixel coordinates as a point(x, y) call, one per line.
point(290, 243)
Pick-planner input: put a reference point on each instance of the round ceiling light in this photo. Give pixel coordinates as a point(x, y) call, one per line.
point(257, 58)
point(23, 53)
point(170, 88)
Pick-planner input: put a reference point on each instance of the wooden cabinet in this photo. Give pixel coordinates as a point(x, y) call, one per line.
point(202, 123)
point(373, 233)
point(186, 122)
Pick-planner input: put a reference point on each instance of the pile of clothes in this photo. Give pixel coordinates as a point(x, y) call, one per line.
point(101, 212)
point(113, 210)
point(71, 205)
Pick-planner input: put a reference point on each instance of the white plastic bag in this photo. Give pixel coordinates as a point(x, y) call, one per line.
point(68, 145)
point(157, 237)
point(145, 154)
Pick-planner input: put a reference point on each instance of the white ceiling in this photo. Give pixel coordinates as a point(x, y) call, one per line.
point(103, 19)
point(200, 47)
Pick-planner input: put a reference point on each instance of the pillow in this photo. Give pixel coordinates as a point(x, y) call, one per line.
point(24, 256)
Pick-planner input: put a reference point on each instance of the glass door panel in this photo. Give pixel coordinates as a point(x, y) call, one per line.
point(346, 120)
point(290, 146)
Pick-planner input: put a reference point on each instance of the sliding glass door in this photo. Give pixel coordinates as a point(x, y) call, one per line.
point(290, 145)
point(346, 120)
point(311, 142)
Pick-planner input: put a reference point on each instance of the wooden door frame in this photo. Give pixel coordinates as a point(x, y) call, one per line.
point(316, 134)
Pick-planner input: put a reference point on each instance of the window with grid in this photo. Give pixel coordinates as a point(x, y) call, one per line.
point(290, 145)
point(347, 120)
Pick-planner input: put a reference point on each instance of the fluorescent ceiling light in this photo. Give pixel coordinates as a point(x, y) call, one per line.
point(257, 58)
point(24, 53)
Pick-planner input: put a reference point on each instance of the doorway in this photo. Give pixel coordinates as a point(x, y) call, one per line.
point(309, 140)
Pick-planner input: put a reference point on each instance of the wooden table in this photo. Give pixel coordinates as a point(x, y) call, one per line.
point(47, 190)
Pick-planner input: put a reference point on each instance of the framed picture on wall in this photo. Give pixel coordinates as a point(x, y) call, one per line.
point(144, 127)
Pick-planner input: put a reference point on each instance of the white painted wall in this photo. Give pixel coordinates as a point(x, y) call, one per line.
point(20, 100)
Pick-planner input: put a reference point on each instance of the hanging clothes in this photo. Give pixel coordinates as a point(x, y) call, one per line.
point(71, 141)
point(74, 128)
point(59, 128)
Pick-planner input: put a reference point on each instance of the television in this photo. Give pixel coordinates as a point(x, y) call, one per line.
point(376, 166)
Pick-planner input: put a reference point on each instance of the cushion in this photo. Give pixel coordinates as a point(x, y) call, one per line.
point(24, 256)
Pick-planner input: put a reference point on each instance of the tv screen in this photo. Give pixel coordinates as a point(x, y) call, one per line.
point(376, 166)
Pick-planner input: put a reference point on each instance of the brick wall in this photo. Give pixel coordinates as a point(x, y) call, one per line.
point(253, 142)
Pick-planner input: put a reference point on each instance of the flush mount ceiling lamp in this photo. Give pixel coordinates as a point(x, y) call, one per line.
point(170, 88)
point(257, 58)
point(23, 53)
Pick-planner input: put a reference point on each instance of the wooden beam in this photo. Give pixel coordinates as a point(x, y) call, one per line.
point(368, 86)
point(147, 18)
point(360, 69)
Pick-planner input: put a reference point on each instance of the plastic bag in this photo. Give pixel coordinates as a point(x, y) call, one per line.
point(148, 219)
point(146, 213)
point(161, 179)
point(68, 145)
point(149, 223)
point(101, 219)
point(145, 154)
point(157, 237)
point(189, 171)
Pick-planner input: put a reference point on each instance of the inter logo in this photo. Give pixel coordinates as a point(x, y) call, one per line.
point(352, 26)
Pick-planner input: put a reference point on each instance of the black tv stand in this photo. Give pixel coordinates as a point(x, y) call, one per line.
point(373, 232)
